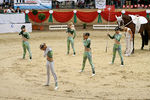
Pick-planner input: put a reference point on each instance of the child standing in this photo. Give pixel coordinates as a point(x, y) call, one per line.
point(87, 52)
point(117, 45)
point(25, 43)
point(50, 64)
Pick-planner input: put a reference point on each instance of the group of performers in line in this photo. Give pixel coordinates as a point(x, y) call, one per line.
point(48, 53)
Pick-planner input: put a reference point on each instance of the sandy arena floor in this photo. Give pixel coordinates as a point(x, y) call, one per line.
point(23, 79)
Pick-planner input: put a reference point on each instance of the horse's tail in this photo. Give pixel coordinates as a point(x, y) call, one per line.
point(146, 37)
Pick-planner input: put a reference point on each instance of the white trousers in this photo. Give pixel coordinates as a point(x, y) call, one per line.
point(129, 46)
point(50, 67)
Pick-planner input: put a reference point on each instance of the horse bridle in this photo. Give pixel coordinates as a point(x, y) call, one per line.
point(123, 23)
point(128, 23)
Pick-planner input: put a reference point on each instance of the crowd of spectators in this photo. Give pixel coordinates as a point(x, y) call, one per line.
point(90, 4)
point(10, 10)
point(129, 3)
point(72, 4)
point(6, 6)
point(6, 3)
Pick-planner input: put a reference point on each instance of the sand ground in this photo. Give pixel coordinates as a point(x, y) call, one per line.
point(23, 79)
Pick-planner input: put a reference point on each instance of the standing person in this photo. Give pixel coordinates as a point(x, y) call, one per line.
point(18, 10)
point(117, 45)
point(25, 43)
point(122, 3)
point(1, 10)
point(128, 3)
point(87, 52)
point(50, 64)
point(71, 36)
point(129, 41)
point(10, 10)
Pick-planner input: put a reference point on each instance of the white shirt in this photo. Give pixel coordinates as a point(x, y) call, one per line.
point(10, 11)
point(127, 33)
point(1, 1)
point(46, 51)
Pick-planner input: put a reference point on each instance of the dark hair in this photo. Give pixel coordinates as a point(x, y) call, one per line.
point(42, 45)
point(87, 34)
point(18, 7)
point(117, 28)
point(23, 26)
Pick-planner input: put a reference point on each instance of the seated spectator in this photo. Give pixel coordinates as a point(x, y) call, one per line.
point(18, 10)
point(1, 10)
point(10, 10)
point(6, 3)
point(1, 2)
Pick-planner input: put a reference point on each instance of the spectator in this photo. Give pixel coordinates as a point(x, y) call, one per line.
point(10, 10)
point(122, 3)
point(1, 10)
point(146, 2)
point(134, 2)
point(6, 3)
point(1, 3)
point(73, 5)
point(18, 10)
point(128, 2)
point(115, 2)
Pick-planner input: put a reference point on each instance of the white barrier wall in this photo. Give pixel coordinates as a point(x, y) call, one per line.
point(12, 18)
point(11, 28)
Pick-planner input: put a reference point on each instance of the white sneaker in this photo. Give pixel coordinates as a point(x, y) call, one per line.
point(126, 55)
point(73, 55)
point(121, 65)
point(80, 71)
point(111, 63)
point(56, 87)
point(93, 75)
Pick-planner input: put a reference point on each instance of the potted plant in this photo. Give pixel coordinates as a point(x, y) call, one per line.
point(84, 26)
point(41, 17)
point(35, 12)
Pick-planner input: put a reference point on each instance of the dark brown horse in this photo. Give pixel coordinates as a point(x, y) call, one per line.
point(125, 20)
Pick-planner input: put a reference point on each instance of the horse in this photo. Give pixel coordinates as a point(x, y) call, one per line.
point(144, 28)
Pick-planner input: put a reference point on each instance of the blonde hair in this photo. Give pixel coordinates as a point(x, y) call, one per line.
point(71, 24)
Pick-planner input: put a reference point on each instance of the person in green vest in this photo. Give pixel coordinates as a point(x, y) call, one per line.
point(117, 45)
point(25, 44)
point(71, 36)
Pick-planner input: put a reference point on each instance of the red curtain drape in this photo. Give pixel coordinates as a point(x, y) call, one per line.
point(87, 17)
point(110, 16)
point(141, 13)
point(63, 16)
point(35, 17)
